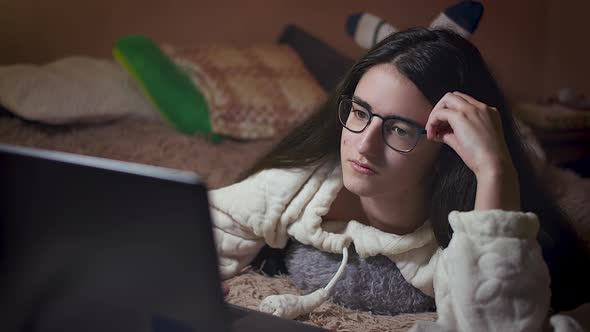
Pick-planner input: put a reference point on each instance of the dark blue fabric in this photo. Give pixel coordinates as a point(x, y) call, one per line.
point(352, 23)
point(326, 64)
point(466, 14)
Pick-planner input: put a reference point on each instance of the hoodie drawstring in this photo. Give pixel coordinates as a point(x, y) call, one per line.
point(291, 306)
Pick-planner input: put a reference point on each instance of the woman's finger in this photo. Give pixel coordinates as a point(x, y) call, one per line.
point(471, 100)
point(452, 101)
point(440, 122)
point(440, 127)
point(451, 140)
point(490, 112)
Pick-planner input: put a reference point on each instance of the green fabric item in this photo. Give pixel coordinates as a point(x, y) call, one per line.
point(169, 88)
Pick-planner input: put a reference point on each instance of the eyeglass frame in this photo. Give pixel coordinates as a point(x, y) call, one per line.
point(421, 130)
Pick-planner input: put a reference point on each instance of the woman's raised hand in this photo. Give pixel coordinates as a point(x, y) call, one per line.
point(474, 130)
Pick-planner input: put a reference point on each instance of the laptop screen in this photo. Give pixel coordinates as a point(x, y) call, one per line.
point(89, 244)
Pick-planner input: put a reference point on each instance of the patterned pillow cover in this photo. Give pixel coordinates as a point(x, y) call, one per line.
point(253, 92)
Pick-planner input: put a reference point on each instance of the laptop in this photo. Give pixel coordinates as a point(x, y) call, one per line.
point(91, 244)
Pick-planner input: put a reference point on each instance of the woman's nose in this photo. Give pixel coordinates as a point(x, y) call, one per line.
point(371, 139)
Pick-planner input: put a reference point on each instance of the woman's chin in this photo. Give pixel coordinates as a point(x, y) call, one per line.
point(359, 187)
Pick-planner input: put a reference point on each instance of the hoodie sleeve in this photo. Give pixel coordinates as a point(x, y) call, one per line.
point(492, 276)
point(234, 210)
point(236, 245)
point(251, 213)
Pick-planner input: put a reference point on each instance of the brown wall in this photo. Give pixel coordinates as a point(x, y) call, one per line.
point(518, 38)
point(567, 52)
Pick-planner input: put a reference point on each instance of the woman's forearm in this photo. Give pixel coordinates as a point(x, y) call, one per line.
point(498, 188)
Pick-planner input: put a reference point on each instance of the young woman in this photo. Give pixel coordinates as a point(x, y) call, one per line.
point(416, 168)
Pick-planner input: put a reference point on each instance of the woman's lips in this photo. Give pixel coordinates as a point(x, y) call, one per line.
point(362, 168)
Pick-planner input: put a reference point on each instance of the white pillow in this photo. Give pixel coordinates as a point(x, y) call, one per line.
point(72, 90)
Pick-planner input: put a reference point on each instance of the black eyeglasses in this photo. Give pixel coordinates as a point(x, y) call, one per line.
point(398, 133)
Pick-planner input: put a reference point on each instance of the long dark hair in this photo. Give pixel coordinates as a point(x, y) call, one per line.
point(437, 62)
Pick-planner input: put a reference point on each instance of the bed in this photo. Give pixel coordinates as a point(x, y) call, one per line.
point(138, 134)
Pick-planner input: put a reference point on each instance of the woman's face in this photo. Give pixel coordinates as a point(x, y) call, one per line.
point(370, 167)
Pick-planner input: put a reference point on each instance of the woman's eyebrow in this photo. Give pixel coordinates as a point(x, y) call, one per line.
point(363, 103)
point(366, 105)
point(410, 121)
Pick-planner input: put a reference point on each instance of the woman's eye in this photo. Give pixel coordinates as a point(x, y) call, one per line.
point(399, 131)
point(359, 114)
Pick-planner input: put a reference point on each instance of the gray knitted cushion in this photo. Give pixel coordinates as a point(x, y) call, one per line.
point(370, 284)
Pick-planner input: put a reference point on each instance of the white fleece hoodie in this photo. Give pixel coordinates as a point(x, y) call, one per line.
point(491, 277)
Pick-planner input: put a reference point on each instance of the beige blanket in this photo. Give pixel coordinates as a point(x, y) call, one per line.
point(250, 288)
